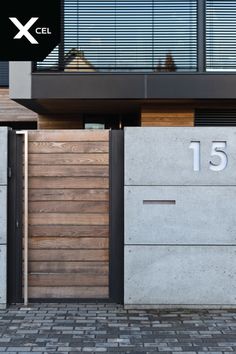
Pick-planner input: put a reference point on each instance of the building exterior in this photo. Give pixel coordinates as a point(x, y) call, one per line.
point(144, 63)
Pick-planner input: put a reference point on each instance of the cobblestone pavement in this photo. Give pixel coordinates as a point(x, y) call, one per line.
point(108, 328)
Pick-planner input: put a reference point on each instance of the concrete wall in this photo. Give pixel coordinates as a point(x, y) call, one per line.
point(180, 224)
point(20, 79)
point(3, 214)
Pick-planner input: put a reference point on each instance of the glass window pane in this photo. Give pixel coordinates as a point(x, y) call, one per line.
point(220, 35)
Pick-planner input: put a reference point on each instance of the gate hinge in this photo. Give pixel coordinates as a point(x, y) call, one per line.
point(9, 172)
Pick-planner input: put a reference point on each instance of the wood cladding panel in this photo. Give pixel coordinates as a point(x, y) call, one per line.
point(10, 111)
point(68, 219)
point(60, 122)
point(68, 243)
point(83, 147)
point(69, 230)
point(70, 171)
point(69, 194)
point(78, 292)
point(69, 207)
point(68, 182)
point(73, 135)
point(68, 159)
point(68, 214)
point(68, 255)
point(167, 117)
point(72, 279)
point(92, 268)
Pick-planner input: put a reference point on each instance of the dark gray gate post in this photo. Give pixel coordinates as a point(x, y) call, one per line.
point(116, 272)
point(14, 225)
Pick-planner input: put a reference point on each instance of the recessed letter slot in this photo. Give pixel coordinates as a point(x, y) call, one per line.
point(159, 202)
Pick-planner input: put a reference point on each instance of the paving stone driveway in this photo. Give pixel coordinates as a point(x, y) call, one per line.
point(108, 328)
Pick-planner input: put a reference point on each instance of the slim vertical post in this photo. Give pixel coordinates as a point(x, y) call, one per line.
point(26, 212)
point(61, 53)
point(201, 35)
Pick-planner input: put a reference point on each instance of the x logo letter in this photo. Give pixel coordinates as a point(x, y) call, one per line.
point(24, 30)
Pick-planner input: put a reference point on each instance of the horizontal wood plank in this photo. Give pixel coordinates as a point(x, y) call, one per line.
point(69, 230)
point(68, 207)
point(168, 122)
point(68, 255)
point(68, 194)
point(69, 171)
point(52, 147)
point(68, 159)
point(60, 292)
point(68, 219)
point(72, 279)
point(68, 182)
point(67, 243)
point(92, 268)
point(69, 135)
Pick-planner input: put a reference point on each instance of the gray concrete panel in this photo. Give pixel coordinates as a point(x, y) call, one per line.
point(180, 215)
point(20, 77)
point(4, 155)
point(3, 215)
point(182, 275)
point(162, 156)
point(3, 275)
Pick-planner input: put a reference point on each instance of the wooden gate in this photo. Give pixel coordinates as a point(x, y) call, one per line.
point(68, 214)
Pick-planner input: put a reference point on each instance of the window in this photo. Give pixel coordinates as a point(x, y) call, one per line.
point(127, 36)
point(4, 73)
point(221, 35)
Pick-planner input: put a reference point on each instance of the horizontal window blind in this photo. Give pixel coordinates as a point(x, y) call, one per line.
point(221, 35)
point(4, 73)
point(215, 117)
point(127, 35)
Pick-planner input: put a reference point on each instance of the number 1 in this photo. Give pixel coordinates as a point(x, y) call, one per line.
point(195, 145)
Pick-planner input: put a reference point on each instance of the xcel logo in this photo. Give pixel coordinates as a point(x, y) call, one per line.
point(24, 29)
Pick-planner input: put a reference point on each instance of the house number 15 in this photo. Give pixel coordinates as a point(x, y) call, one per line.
point(218, 150)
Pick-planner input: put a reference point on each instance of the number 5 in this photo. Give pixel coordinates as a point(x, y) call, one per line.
point(218, 150)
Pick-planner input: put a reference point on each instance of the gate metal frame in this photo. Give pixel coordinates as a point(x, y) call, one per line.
point(14, 219)
point(116, 237)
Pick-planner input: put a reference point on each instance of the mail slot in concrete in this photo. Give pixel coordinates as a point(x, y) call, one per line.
point(180, 207)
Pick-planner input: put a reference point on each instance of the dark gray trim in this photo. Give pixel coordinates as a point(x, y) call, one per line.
point(127, 87)
point(62, 44)
point(14, 238)
point(201, 41)
point(116, 269)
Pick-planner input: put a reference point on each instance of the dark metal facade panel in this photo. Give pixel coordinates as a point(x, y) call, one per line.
point(86, 86)
point(190, 86)
point(124, 87)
